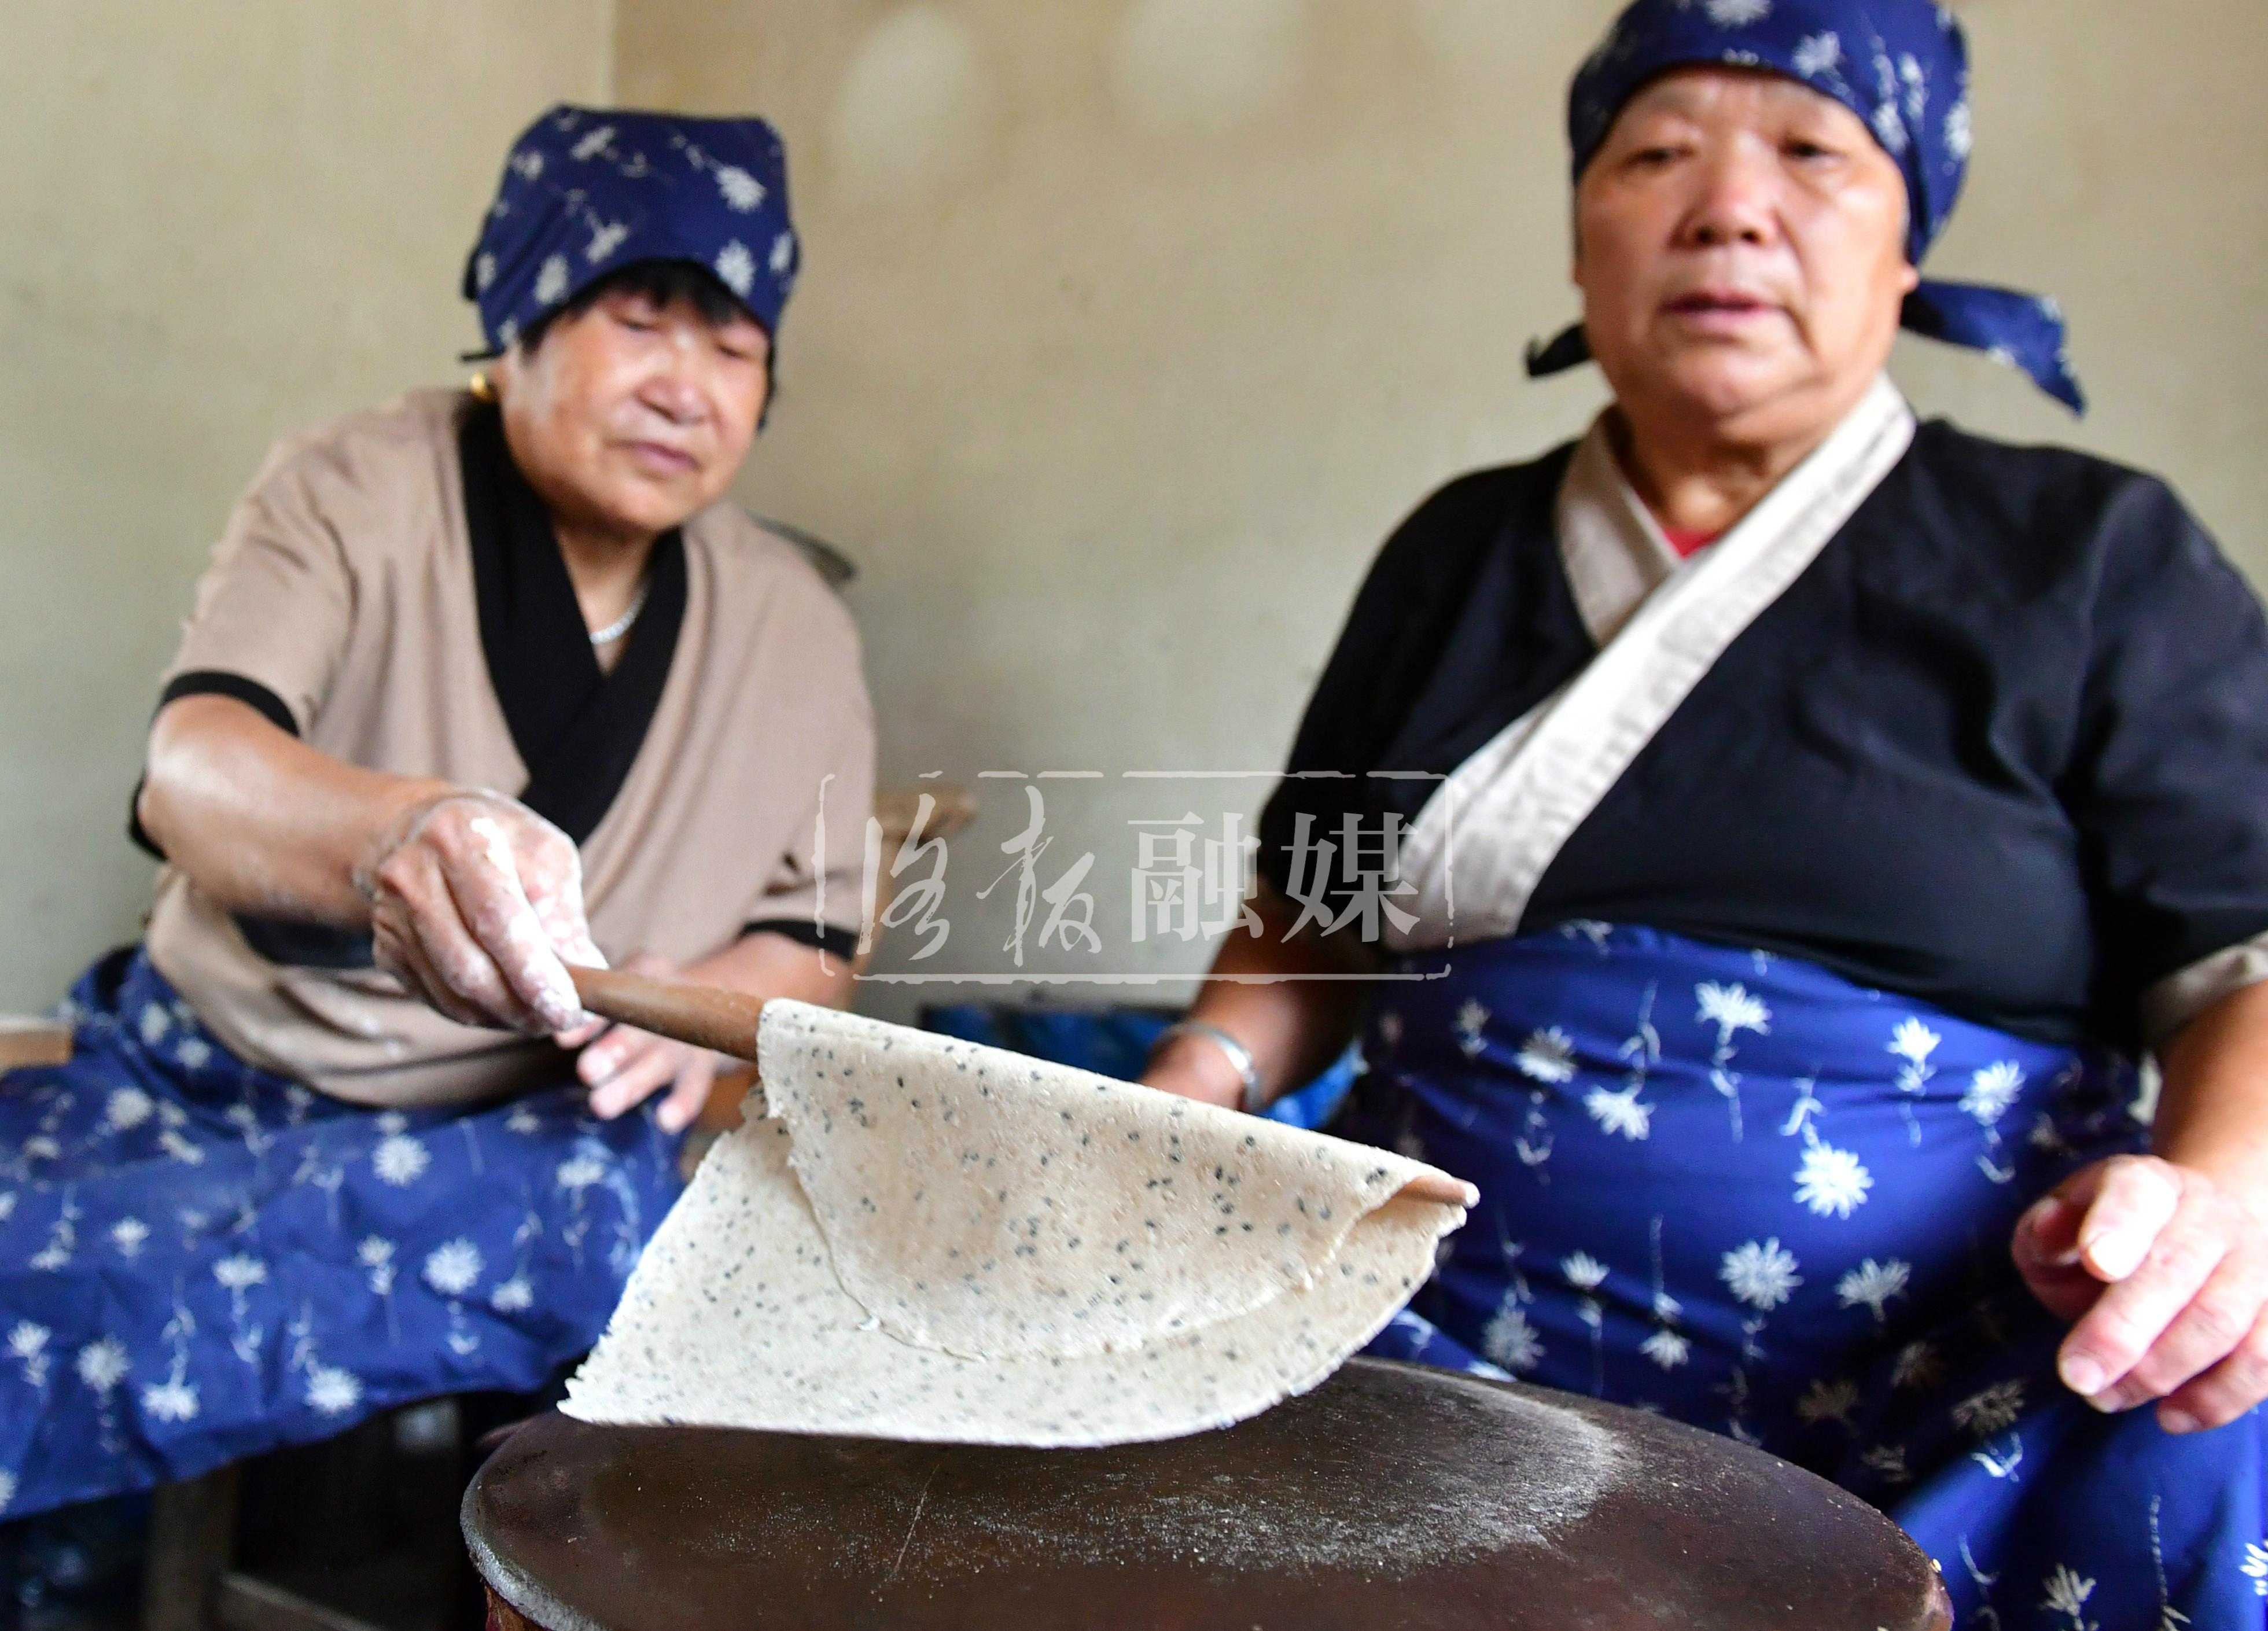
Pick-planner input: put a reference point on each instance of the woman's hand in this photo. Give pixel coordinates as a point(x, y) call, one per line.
point(1288, 1025)
point(1192, 1065)
point(2165, 1275)
point(476, 905)
point(623, 1066)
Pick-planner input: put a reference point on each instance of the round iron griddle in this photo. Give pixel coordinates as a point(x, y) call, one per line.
point(1392, 1498)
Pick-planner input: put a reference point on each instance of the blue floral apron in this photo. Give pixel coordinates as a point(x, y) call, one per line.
point(200, 1260)
point(1738, 1189)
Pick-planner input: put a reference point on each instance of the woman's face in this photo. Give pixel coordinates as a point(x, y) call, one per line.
point(1741, 249)
point(629, 416)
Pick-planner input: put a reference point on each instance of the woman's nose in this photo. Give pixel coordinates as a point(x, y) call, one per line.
point(1736, 205)
point(671, 391)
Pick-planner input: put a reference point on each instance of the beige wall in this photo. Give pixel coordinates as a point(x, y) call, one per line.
point(1129, 328)
point(221, 222)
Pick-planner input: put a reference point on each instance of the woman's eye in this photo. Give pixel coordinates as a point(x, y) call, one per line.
point(1808, 150)
point(1653, 157)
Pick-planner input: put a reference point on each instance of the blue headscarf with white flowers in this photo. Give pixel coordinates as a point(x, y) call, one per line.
point(1900, 65)
point(587, 192)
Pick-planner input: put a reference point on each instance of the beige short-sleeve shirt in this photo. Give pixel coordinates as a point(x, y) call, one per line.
point(343, 587)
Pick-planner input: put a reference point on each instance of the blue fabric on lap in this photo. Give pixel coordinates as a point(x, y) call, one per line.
point(200, 1261)
point(1116, 1041)
point(1110, 1042)
point(1744, 1191)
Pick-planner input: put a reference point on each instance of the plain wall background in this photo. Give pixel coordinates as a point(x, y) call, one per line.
point(1129, 328)
point(221, 223)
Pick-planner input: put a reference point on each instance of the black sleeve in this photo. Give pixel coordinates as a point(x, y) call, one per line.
point(1423, 665)
point(831, 938)
point(2169, 784)
point(206, 682)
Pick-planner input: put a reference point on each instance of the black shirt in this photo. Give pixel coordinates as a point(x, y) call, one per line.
point(2002, 747)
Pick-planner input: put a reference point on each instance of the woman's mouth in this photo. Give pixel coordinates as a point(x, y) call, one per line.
point(662, 459)
point(1718, 307)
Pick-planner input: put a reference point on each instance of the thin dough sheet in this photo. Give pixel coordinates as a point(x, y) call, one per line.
point(915, 1162)
point(991, 1205)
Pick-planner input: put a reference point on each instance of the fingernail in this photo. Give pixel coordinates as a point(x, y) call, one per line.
point(2042, 1219)
point(2116, 1258)
point(671, 1117)
point(2178, 1422)
point(2084, 1377)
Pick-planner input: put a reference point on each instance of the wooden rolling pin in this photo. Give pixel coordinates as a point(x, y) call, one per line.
point(726, 1021)
point(704, 1015)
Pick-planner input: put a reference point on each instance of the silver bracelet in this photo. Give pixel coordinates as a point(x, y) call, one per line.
point(1248, 1068)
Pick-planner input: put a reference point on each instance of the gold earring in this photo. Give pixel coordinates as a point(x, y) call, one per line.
point(483, 388)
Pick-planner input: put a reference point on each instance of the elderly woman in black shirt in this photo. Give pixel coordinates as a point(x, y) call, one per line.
point(1801, 817)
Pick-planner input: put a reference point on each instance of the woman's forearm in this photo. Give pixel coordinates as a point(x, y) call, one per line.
point(1292, 1000)
point(2213, 1107)
point(259, 820)
point(772, 965)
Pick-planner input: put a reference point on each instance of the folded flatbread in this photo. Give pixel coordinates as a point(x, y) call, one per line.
point(925, 1239)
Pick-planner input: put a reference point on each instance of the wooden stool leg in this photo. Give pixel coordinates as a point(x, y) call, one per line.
point(192, 1542)
point(502, 1616)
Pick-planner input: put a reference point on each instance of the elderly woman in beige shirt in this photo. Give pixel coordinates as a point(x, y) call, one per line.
point(480, 684)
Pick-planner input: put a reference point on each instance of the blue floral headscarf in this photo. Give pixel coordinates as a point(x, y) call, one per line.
point(1900, 65)
point(587, 192)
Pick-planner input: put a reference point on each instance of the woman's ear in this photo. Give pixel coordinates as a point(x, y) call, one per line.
point(1909, 274)
point(504, 371)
